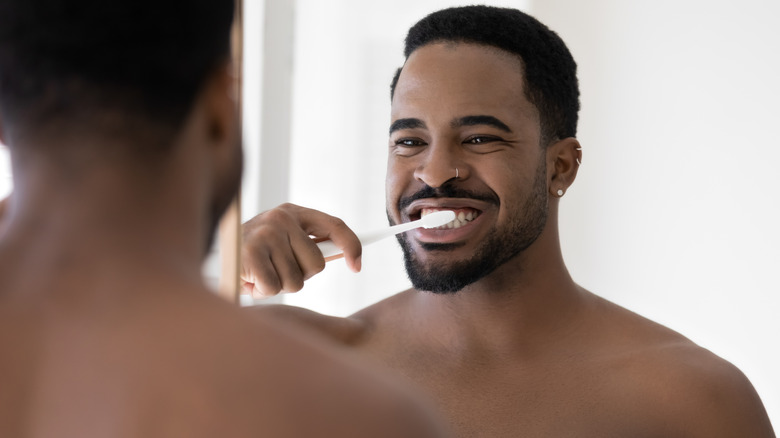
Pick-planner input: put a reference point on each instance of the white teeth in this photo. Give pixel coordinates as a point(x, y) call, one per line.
point(462, 218)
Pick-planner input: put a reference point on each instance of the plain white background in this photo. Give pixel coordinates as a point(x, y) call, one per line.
point(674, 214)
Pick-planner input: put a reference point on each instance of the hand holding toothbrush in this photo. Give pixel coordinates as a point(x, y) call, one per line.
point(331, 251)
point(278, 253)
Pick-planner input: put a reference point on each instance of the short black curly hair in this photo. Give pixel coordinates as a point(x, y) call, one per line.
point(549, 69)
point(145, 59)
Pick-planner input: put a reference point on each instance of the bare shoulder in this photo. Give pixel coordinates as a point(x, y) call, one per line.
point(700, 393)
point(695, 392)
point(388, 308)
point(342, 330)
point(349, 330)
point(336, 391)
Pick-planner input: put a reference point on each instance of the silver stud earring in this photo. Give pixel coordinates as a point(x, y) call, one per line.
point(560, 192)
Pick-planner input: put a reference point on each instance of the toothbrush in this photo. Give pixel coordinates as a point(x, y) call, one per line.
point(432, 220)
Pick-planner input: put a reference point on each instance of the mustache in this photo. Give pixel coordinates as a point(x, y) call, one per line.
point(446, 191)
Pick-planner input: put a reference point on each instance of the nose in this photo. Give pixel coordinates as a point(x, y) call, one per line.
point(440, 165)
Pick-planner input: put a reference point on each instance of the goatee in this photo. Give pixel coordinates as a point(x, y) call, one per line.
point(501, 245)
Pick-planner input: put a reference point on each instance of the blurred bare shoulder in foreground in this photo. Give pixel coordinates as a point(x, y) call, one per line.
point(162, 362)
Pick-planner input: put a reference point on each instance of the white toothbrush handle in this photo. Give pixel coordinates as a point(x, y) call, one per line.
point(329, 249)
point(371, 237)
point(331, 252)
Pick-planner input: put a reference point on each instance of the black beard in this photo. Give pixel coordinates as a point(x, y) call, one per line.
point(500, 246)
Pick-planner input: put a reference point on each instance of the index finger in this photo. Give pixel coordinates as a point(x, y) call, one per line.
point(326, 227)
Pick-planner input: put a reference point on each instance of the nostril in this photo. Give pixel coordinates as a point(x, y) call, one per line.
point(437, 175)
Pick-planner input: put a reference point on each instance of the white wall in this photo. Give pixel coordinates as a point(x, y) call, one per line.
point(674, 214)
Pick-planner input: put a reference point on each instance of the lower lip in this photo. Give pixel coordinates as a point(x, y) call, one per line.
point(446, 235)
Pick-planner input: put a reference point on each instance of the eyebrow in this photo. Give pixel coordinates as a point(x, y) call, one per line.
point(481, 120)
point(406, 124)
point(412, 123)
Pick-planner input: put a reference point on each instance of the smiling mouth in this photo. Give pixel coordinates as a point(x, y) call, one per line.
point(462, 216)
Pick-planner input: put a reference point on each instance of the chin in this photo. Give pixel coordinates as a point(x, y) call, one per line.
point(445, 278)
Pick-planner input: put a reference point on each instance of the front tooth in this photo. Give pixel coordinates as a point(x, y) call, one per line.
point(457, 223)
point(461, 216)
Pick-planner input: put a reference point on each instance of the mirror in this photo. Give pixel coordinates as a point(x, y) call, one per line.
point(673, 214)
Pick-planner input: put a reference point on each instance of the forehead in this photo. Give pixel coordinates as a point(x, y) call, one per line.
point(460, 78)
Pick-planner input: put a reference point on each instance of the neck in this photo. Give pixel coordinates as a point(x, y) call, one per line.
point(524, 302)
point(102, 217)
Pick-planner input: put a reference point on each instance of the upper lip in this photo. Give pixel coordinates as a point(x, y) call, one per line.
point(445, 204)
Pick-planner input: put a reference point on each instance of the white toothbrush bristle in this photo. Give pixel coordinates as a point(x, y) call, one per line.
point(438, 218)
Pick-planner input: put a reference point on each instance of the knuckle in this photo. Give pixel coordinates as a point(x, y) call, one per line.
point(338, 223)
point(293, 284)
point(254, 259)
point(269, 288)
point(315, 268)
point(276, 215)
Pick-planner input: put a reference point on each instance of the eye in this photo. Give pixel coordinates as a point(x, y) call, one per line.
point(407, 146)
point(481, 139)
point(409, 142)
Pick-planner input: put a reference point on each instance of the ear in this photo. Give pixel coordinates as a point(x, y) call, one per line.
point(220, 104)
point(220, 128)
point(563, 163)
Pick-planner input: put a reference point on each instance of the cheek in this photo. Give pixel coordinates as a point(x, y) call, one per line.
point(512, 180)
point(395, 182)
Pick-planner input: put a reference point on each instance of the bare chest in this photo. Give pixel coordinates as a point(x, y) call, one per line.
point(490, 397)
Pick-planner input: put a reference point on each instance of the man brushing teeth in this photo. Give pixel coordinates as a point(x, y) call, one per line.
point(483, 123)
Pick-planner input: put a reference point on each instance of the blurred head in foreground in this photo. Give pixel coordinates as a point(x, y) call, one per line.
point(93, 83)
